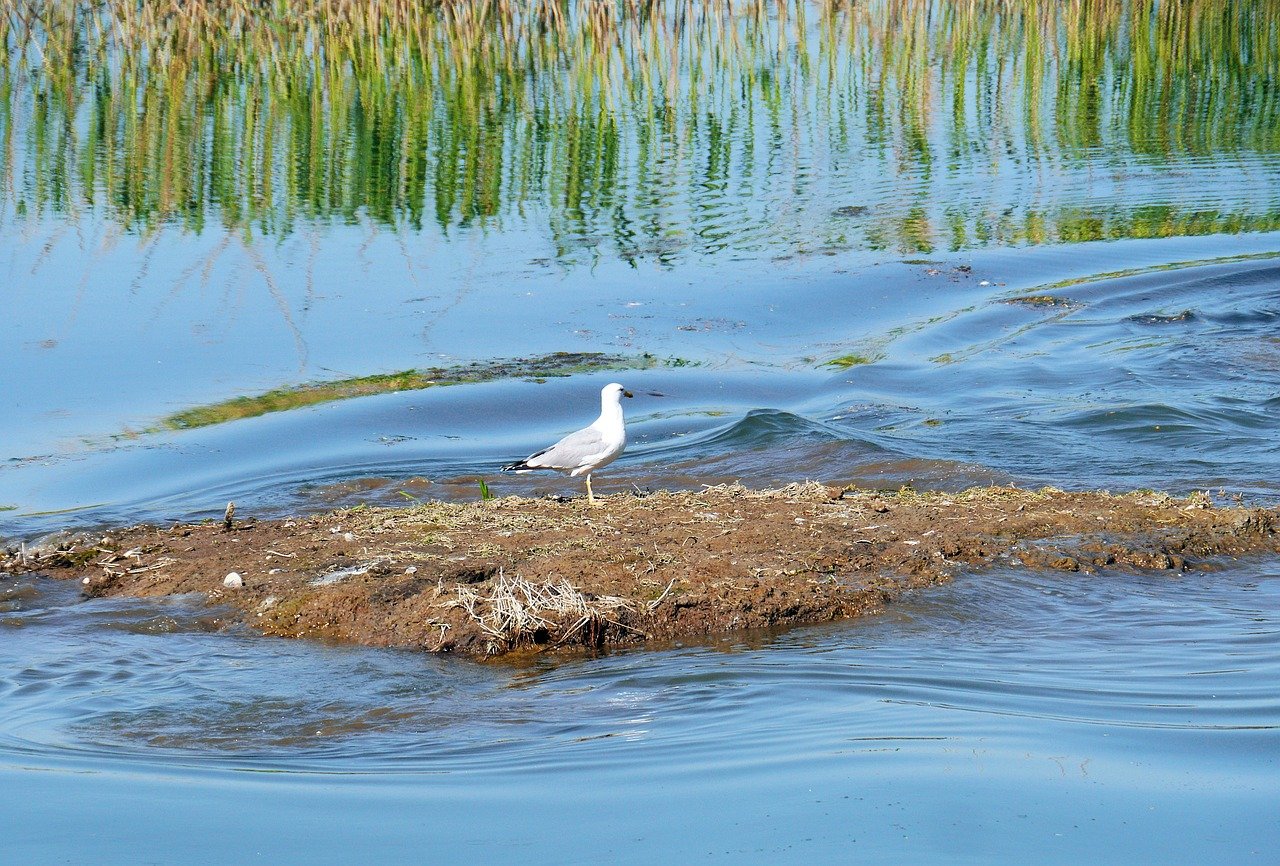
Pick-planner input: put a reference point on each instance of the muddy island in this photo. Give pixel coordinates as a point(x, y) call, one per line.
point(533, 575)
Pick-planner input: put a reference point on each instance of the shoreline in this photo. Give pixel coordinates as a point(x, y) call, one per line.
point(518, 575)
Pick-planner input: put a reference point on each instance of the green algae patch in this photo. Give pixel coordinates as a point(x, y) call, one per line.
point(1152, 269)
point(1041, 301)
point(313, 393)
point(853, 359)
point(296, 397)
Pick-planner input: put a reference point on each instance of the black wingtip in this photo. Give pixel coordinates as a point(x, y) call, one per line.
point(523, 465)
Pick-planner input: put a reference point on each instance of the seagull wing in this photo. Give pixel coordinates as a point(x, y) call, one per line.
point(572, 452)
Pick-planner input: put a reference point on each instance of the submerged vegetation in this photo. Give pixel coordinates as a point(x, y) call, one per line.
point(313, 393)
point(650, 127)
point(853, 359)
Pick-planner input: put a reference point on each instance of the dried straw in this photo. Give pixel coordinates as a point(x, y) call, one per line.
point(518, 612)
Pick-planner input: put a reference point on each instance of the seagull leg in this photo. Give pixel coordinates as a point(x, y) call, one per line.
point(591, 500)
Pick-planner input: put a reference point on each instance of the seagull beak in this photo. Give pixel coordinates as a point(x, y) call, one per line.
point(627, 394)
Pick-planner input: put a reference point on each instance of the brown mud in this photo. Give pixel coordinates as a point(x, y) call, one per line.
point(513, 574)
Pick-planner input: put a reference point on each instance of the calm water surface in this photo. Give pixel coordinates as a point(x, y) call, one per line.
point(900, 242)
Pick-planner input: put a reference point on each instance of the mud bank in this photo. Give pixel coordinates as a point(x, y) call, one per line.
point(514, 574)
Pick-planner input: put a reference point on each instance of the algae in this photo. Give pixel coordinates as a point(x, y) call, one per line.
point(853, 359)
point(557, 364)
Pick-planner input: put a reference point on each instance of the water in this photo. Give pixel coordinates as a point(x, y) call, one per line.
point(894, 243)
point(1117, 388)
point(1129, 719)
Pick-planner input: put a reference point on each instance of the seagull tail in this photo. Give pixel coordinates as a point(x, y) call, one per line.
point(524, 465)
point(521, 465)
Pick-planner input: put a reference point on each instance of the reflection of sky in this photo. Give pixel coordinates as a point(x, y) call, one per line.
point(1005, 712)
point(764, 226)
point(1013, 389)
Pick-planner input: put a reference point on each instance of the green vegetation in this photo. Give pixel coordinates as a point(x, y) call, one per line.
point(297, 396)
point(1168, 266)
point(648, 127)
point(1041, 301)
point(71, 510)
point(312, 393)
point(851, 360)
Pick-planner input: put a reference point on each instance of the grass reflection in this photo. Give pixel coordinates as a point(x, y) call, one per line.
point(644, 128)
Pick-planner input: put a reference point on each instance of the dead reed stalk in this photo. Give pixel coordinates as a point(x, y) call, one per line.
point(517, 612)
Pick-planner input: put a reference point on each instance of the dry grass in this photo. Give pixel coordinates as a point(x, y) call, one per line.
point(467, 578)
point(516, 612)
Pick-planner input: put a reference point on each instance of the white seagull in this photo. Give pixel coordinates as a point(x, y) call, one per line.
point(588, 449)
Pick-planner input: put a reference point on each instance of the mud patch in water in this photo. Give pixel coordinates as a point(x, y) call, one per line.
point(516, 574)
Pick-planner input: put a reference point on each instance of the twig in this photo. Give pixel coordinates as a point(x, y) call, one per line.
point(517, 610)
point(653, 605)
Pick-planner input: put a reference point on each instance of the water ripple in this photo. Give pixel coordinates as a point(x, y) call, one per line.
point(985, 657)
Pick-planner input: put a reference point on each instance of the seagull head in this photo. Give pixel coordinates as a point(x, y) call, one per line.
point(614, 391)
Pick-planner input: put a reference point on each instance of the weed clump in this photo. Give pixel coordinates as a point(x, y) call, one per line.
point(515, 612)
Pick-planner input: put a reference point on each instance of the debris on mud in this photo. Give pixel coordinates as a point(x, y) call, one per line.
point(512, 574)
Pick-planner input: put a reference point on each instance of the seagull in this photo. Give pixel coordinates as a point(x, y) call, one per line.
point(588, 449)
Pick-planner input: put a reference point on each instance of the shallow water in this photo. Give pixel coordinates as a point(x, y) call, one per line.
point(1126, 718)
point(1167, 378)
point(896, 243)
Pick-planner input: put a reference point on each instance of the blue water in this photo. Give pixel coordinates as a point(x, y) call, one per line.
point(1123, 719)
point(1167, 378)
point(822, 243)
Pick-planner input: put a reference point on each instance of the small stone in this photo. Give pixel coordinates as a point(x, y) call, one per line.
point(233, 580)
point(1198, 499)
point(85, 581)
point(348, 536)
point(413, 569)
point(274, 570)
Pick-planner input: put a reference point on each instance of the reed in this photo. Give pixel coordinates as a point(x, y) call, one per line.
point(514, 612)
point(646, 126)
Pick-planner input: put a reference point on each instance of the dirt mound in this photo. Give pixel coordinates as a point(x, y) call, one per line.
point(516, 574)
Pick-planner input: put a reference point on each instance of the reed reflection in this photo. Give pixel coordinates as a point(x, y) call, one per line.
point(646, 129)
